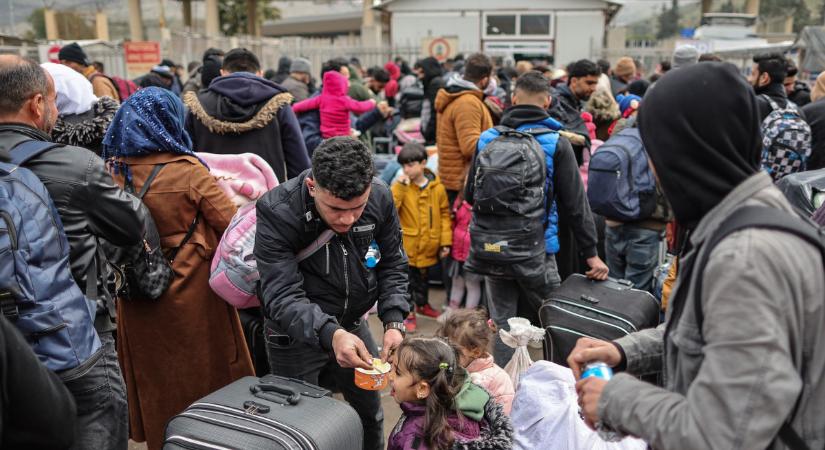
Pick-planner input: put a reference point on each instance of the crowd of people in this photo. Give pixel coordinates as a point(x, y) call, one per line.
point(110, 327)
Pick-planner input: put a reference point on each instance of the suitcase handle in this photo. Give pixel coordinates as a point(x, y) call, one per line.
point(589, 299)
point(291, 397)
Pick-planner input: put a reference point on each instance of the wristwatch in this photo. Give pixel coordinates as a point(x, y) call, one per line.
point(396, 326)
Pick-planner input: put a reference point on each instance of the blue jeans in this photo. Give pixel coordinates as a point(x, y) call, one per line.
point(633, 254)
point(288, 358)
point(100, 396)
point(523, 297)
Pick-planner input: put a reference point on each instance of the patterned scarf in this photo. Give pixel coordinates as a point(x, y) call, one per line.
point(150, 121)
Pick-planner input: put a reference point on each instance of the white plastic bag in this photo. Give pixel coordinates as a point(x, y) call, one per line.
point(520, 335)
point(546, 416)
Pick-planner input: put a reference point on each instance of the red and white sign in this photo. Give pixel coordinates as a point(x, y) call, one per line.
point(441, 48)
point(140, 57)
point(52, 54)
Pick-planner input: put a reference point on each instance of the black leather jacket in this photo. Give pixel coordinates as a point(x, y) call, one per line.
point(333, 288)
point(90, 204)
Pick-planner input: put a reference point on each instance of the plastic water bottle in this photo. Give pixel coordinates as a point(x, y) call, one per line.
point(373, 255)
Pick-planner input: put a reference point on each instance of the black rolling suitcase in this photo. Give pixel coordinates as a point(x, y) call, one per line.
point(581, 307)
point(269, 413)
point(252, 322)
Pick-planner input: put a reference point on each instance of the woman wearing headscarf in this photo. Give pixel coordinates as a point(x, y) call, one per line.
point(82, 118)
point(188, 343)
point(757, 358)
point(815, 116)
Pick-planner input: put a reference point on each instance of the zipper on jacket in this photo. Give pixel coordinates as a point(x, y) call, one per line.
point(431, 218)
point(346, 278)
point(326, 250)
point(10, 228)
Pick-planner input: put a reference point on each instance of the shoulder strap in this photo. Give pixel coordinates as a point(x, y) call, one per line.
point(767, 218)
point(174, 252)
point(145, 188)
point(316, 245)
point(27, 150)
point(770, 101)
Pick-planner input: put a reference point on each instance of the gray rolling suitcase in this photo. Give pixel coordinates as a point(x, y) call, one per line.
point(269, 413)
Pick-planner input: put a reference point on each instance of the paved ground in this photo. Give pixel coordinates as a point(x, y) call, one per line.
point(392, 412)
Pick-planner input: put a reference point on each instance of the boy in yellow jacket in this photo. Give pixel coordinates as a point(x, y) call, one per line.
point(424, 212)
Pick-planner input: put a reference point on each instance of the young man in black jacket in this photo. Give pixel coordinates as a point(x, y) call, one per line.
point(314, 303)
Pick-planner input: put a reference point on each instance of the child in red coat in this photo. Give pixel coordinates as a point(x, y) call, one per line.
point(335, 106)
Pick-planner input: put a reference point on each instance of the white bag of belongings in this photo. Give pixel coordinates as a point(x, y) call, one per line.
point(521, 334)
point(546, 414)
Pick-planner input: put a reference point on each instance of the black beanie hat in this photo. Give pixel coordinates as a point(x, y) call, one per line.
point(73, 52)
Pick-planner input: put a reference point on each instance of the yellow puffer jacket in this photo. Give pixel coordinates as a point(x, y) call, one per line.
point(425, 219)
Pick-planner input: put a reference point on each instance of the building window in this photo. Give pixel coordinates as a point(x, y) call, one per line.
point(501, 25)
point(526, 25)
point(535, 24)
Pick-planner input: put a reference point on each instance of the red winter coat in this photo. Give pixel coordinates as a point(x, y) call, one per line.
point(334, 105)
point(461, 230)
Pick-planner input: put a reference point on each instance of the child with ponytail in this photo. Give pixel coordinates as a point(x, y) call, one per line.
point(471, 332)
point(442, 408)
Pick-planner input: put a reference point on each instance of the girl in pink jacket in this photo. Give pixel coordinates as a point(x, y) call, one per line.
point(463, 281)
point(469, 331)
point(334, 105)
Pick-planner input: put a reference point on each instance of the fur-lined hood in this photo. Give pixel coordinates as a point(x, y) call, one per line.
point(496, 431)
point(259, 120)
point(86, 130)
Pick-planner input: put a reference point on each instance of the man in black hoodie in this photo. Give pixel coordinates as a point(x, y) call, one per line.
point(430, 73)
point(241, 112)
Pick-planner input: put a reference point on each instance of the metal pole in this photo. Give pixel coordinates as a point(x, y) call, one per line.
point(11, 18)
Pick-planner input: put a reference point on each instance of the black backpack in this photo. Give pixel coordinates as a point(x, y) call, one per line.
point(509, 208)
point(411, 101)
point(145, 271)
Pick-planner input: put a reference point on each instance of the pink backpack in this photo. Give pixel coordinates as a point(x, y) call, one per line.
point(244, 178)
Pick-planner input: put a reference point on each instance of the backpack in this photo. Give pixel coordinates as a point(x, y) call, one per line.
point(411, 101)
point(234, 272)
point(509, 206)
point(786, 140)
point(37, 291)
point(620, 184)
point(125, 88)
point(146, 270)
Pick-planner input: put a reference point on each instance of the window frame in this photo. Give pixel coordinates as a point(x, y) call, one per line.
point(517, 15)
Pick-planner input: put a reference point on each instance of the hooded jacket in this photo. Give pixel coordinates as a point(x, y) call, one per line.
point(728, 384)
point(391, 89)
point(565, 189)
point(484, 426)
point(243, 113)
point(334, 105)
point(432, 82)
point(87, 129)
point(462, 117)
point(566, 108)
point(487, 374)
point(425, 219)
